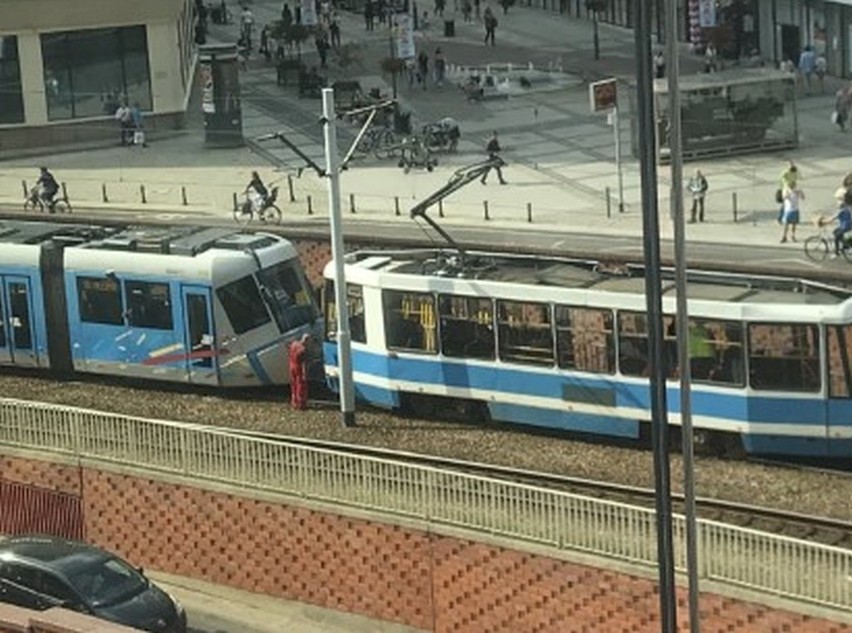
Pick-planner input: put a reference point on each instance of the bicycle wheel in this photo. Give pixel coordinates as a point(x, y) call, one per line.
point(272, 214)
point(61, 206)
point(33, 204)
point(384, 144)
point(816, 248)
point(242, 215)
point(847, 252)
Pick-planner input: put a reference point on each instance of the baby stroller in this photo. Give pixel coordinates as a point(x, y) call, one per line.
point(443, 135)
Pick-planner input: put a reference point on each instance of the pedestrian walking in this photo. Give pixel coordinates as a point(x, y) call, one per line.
point(264, 44)
point(490, 26)
point(246, 26)
point(422, 69)
point(439, 7)
point(286, 16)
point(820, 68)
point(334, 30)
point(467, 9)
point(710, 55)
point(792, 199)
point(493, 149)
point(322, 45)
point(698, 188)
point(298, 365)
point(659, 65)
point(841, 108)
point(440, 66)
point(369, 17)
point(506, 4)
point(789, 179)
point(124, 116)
point(807, 66)
point(476, 6)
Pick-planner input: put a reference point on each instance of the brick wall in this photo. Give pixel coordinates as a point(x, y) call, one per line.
point(426, 580)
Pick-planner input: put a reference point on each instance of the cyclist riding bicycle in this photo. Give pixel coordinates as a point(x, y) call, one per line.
point(257, 193)
point(843, 217)
point(48, 187)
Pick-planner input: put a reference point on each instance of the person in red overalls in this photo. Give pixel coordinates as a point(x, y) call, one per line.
point(299, 372)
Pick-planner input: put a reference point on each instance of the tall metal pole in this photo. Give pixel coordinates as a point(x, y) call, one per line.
point(653, 296)
point(344, 344)
point(617, 131)
point(677, 214)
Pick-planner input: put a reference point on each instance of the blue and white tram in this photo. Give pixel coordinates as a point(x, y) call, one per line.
point(563, 344)
point(196, 305)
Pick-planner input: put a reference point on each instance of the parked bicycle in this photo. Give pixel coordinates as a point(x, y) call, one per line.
point(35, 201)
point(818, 247)
point(267, 211)
point(381, 141)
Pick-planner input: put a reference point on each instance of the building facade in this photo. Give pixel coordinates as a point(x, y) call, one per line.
point(65, 66)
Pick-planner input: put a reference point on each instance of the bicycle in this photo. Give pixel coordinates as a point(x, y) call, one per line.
point(35, 202)
point(268, 212)
point(381, 141)
point(817, 247)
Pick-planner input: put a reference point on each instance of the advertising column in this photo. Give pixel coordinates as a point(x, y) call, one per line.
point(220, 95)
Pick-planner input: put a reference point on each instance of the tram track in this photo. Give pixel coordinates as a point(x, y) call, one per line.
point(811, 528)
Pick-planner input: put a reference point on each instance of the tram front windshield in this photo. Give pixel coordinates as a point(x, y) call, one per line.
point(288, 295)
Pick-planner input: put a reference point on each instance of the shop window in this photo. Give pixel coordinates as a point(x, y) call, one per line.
point(585, 339)
point(410, 321)
point(355, 305)
point(784, 357)
point(88, 73)
point(149, 305)
point(11, 93)
point(288, 294)
point(525, 332)
point(99, 299)
point(467, 327)
point(243, 305)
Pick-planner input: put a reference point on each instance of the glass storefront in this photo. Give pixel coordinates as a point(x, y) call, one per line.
point(11, 94)
point(88, 73)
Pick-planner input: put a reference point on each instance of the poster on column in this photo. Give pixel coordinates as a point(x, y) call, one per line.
point(706, 13)
point(404, 36)
point(309, 12)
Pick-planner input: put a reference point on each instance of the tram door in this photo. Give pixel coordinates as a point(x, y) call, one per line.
point(201, 362)
point(17, 344)
point(839, 357)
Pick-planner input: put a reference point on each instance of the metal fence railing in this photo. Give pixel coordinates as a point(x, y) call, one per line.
point(736, 556)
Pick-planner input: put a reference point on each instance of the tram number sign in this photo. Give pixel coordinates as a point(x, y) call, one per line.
point(603, 95)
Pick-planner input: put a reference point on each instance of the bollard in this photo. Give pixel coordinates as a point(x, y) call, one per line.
point(290, 188)
point(608, 205)
point(183, 195)
point(26, 191)
point(104, 192)
point(396, 205)
point(236, 206)
point(529, 212)
point(485, 207)
point(142, 194)
point(440, 208)
point(310, 208)
point(352, 203)
point(734, 204)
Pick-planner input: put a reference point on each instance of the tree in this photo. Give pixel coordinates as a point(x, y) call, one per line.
point(596, 6)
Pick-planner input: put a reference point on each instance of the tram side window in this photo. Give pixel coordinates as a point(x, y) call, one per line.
point(2, 323)
point(784, 357)
point(288, 294)
point(840, 361)
point(467, 327)
point(148, 305)
point(585, 340)
point(243, 305)
point(355, 304)
point(100, 300)
point(525, 332)
point(633, 343)
point(410, 320)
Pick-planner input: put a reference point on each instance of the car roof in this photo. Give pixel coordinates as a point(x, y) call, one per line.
point(49, 552)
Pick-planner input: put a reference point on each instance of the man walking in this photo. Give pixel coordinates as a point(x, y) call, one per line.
point(698, 188)
point(298, 361)
point(490, 25)
point(493, 149)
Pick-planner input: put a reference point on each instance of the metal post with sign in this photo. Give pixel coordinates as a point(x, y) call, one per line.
point(603, 97)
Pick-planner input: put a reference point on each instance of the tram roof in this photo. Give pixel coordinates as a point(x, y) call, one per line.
point(604, 277)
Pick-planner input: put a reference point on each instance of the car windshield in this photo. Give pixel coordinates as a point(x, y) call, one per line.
point(107, 582)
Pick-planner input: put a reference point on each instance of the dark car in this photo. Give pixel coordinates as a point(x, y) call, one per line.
point(39, 572)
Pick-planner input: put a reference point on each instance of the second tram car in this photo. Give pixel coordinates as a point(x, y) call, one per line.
point(196, 305)
point(563, 344)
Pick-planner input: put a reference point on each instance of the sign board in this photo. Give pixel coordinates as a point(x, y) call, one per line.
point(603, 95)
point(404, 36)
